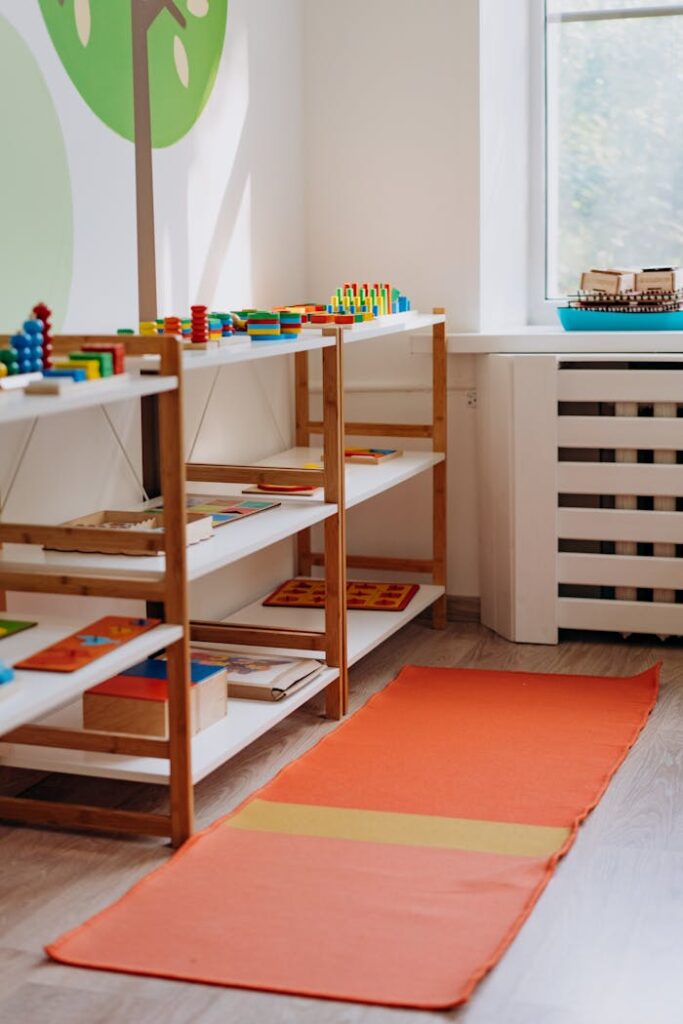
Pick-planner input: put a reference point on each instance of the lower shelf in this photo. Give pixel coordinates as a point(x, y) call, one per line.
point(245, 721)
point(366, 629)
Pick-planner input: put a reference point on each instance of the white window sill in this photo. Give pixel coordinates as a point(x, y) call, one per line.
point(554, 340)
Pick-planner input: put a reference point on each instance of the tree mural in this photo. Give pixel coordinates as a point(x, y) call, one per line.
point(146, 68)
point(36, 258)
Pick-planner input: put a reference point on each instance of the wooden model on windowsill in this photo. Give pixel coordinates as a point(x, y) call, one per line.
point(641, 300)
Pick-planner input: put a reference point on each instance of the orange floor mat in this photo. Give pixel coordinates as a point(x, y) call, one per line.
point(395, 861)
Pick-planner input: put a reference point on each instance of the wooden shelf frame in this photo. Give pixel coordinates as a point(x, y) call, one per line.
point(332, 639)
point(170, 596)
point(49, 744)
point(436, 431)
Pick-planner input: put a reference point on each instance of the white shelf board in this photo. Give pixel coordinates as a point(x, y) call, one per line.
point(243, 351)
point(363, 481)
point(234, 541)
point(15, 406)
point(249, 351)
point(245, 721)
point(366, 630)
point(228, 544)
point(33, 694)
point(555, 340)
point(399, 323)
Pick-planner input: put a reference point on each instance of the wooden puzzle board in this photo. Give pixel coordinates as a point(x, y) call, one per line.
point(360, 596)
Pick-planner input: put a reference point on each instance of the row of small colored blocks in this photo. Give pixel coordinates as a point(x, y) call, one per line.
point(333, 317)
point(91, 363)
point(219, 325)
point(378, 298)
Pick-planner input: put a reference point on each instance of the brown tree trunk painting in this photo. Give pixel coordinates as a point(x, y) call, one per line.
point(144, 13)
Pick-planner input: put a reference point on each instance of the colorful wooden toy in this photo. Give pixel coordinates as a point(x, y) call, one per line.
point(92, 370)
point(200, 325)
point(44, 314)
point(6, 673)
point(173, 325)
point(115, 348)
point(74, 374)
point(103, 360)
point(136, 701)
point(28, 345)
point(8, 627)
point(365, 301)
point(93, 642)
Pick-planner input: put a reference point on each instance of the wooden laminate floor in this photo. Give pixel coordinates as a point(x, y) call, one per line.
point(604, 944)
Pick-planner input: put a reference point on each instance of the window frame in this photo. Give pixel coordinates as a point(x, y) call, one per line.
point(541, 307)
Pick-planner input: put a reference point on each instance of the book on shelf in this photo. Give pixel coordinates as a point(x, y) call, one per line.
point(259, 676)
point(371, 456)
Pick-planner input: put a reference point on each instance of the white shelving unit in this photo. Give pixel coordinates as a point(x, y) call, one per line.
point(246, 720)
point(31, 696)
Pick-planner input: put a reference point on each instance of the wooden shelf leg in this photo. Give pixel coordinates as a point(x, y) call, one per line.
point(302, 440)
point(439, 443)
point(175, 601)
point(335, 526)
point(335, 632)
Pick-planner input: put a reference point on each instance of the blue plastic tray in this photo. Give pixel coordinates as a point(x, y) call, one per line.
point(593, 320)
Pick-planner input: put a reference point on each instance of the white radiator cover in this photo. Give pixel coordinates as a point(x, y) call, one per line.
point(629, 575)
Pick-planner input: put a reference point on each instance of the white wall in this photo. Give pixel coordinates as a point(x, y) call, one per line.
point(230, 210)
point(393, 189)
point(332, 147)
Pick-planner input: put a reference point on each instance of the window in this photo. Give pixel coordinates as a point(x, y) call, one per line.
point(613, 137)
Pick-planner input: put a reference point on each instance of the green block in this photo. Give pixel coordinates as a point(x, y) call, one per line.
point(104, 359)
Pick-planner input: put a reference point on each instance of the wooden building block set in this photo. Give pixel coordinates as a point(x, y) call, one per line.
point(350, 304)
point(28, 360)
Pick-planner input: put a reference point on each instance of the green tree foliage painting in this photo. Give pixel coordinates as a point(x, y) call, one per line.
point(146, 68)
point(36, 257)
point(94, 39)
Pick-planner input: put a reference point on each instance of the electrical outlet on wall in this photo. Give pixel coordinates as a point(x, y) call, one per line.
point(472, 398)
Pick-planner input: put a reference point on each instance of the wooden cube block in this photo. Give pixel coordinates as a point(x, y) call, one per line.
point(668, 279)
point(136, 701)
point(613, 282)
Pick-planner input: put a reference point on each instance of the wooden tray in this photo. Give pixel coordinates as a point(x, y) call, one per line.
point(199, 527)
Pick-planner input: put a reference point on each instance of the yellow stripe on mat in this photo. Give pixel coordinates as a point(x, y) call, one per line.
point(400, 829)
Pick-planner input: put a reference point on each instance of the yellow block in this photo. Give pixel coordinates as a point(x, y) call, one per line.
point(91, 366)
